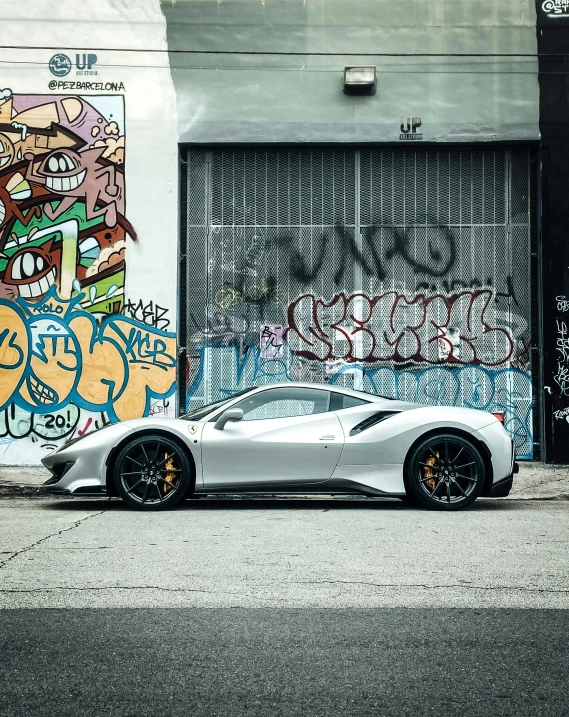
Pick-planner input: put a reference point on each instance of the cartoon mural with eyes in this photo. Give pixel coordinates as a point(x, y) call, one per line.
point(77, 176)
point(32, 271)
point(62, 203)
point(62, 199)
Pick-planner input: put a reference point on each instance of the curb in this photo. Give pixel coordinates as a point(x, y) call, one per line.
point(12, 490)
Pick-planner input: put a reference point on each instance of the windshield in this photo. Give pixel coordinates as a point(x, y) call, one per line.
point(202, 411)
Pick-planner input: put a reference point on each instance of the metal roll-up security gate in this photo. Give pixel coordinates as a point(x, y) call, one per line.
point(405, 272)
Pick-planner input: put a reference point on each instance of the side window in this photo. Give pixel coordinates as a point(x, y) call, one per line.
point(284, 403)
point(339, 401)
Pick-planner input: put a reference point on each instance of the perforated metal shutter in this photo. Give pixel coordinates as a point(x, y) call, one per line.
point(376, 260)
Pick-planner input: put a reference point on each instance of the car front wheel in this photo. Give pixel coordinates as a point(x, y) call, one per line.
point(445, 472)
point(152, 472)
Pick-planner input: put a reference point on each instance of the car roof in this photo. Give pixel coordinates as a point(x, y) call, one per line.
point(324, 387)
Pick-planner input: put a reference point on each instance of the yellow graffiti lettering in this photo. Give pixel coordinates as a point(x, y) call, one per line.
point(54, 353)
point(103, 375)
point(151, 365)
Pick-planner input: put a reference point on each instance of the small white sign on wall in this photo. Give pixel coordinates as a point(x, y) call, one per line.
point(271, 341)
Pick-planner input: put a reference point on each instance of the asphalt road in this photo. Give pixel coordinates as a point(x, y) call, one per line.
point(283, 553)
point(283, 607)
point(265, 662)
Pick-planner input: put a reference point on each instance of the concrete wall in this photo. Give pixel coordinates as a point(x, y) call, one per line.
point(82, 342)
point(256, 97)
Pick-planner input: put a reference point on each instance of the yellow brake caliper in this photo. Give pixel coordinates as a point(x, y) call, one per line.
point(169, 465)
point(429, 473)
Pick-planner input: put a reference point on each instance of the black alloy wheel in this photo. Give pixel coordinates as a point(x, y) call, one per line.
point(152, 473)
point(445, 472)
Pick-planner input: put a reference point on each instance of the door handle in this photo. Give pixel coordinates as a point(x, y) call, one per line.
point(327, 438)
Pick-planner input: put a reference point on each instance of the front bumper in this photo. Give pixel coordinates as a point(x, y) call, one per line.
point(81, 490)
point(80, 468)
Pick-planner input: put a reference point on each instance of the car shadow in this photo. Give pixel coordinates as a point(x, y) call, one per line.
point(247, 502)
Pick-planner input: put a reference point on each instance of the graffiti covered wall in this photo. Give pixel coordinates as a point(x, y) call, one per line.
point(73, 351)
point(412, 283)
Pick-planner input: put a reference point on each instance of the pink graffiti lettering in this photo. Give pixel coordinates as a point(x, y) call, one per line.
point(393, 327)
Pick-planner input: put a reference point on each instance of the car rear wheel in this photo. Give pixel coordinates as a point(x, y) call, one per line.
point(445, 472)
point(152, 473)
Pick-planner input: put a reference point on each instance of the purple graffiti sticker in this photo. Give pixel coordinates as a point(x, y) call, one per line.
point(271, 341)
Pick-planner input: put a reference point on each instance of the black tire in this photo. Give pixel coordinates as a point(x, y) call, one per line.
point(152, 472)
point(445, 472)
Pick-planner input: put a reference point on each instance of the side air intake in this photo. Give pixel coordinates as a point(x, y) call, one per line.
point(372, 421)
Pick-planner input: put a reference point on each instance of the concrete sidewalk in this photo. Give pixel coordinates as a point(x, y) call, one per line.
point(535, 481)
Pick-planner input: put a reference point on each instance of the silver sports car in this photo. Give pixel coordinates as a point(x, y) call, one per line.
point(293, 438)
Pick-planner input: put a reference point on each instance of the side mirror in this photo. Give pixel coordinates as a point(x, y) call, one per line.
point(232, 414)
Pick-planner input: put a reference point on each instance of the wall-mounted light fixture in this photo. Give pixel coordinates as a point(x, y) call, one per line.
point(359, 80)
point(360, 77)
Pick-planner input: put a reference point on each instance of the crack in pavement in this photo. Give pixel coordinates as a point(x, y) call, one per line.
point(303, 582)
point(76, 524)
point(433, 587)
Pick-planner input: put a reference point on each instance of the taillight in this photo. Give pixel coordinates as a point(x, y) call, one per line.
point(500, 416)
